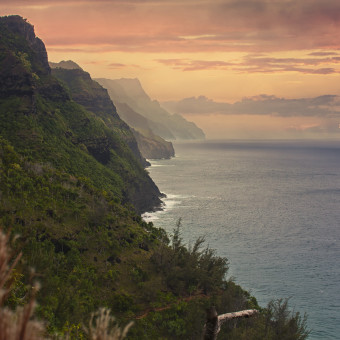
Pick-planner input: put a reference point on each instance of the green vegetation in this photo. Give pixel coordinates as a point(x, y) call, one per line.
point(71, 189)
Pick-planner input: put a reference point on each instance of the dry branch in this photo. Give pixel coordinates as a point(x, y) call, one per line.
point(214, 321)
point(242, 314)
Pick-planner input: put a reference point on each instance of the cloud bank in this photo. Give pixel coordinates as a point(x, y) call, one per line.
point(186, 26)
point(262, 64)
point(327, 106)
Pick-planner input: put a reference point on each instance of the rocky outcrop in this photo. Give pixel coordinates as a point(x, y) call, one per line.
point(19, 59)
point(66, 64)
point(19, 26)
point(152, 146)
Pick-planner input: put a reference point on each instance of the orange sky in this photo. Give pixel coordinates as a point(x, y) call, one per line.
point(222, 49)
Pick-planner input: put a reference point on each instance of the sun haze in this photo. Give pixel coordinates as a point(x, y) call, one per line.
point(228, 51)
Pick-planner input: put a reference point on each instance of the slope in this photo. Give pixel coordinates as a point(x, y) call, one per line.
point(95, 98)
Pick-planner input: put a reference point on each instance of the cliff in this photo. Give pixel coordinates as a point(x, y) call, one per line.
point(39, 117)
point(162, 123)
point(95, 98)
point(152, 146)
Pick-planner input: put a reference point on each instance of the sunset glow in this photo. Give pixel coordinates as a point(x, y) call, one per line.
point(222, 49)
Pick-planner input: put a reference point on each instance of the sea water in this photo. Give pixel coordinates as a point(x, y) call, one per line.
point(272, 208)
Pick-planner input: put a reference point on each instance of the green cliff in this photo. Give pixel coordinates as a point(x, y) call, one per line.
point(40, 119)
point(95, 99)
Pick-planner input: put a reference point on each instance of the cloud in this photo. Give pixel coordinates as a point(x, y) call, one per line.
point(195, 65)
point(322, 106)
point(322, 54)
point(186, 26)
point(259, 64)
point(117, 65)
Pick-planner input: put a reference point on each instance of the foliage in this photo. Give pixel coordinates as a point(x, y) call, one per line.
point(14, 325)
point(190, 269)
point(17, 324)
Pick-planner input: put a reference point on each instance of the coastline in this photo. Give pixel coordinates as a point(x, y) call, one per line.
point(259, 201)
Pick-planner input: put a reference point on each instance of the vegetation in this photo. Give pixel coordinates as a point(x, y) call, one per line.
point(17, 324)
point(71, 190)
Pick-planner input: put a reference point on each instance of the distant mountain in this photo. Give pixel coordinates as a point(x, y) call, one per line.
point(68, 65)
point(161, 122)
point(152, 146)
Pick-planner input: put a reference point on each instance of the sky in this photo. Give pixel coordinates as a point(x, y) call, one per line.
point(261, 54)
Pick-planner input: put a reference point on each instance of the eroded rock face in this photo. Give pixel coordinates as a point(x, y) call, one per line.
point(23, 62)
point(20, 26)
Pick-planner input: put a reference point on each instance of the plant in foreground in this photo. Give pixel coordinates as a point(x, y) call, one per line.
point(19, 324)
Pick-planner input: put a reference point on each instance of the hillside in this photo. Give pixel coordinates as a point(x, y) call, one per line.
point(95, 98)
point(39, 118)
point(162, 123)
point(71, 190)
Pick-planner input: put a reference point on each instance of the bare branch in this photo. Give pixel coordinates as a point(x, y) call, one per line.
point(214, 321)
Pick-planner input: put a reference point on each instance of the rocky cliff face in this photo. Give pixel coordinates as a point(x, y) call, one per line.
point(24, 66)
point(22, 28)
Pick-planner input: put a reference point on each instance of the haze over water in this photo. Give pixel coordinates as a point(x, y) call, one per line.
point(271, 208)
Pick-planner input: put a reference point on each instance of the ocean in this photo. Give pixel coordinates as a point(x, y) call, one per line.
point(272, 208)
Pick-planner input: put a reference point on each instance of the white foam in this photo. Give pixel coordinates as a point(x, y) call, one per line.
point(169, 203)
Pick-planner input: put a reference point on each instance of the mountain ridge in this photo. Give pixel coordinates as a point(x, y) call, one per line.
point(161, 122)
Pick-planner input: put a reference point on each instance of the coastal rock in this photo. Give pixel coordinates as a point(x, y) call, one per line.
point(152, 146)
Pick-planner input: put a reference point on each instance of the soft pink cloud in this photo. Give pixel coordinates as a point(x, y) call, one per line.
point(195, 65)
point(189, 26)
point(258, 64)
